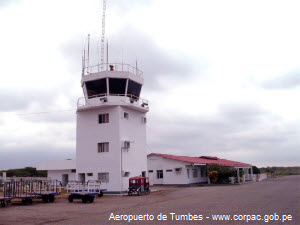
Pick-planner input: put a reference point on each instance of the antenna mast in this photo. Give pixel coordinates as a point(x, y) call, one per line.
point(103, 34)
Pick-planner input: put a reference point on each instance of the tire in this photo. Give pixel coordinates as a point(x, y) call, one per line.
point(3, 204)
point(51, 198)
point(91, 199)
point(129, 193)
point(139, 193)
point(29, 201)
point(70, 198)
point(100, 194)
point(147, 192)
point(84, 198)
point(45, 199)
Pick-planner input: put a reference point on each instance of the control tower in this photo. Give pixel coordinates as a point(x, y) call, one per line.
point(111, 126)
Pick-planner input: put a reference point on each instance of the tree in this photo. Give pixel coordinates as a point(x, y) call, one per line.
point(255, 170)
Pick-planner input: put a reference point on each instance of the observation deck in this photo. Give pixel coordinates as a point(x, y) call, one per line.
point(112, 84)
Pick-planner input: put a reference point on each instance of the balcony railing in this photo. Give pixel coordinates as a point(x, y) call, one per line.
point(131, 99)
point(111, 67)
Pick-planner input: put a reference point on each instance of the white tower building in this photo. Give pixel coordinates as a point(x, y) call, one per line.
point(111, 126)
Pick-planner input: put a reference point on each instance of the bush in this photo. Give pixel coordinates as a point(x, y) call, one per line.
point(25, 172)
point(223, 172)
point(213, 176)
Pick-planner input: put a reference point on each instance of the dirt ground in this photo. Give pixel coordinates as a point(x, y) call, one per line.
point(280, 196)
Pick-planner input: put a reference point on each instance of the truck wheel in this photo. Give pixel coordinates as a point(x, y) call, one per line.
point(51, 198)
point(100, 194)
point(3, 204)
point(45, 198)
point(129, 193)
point(70, 198)
point(83, 199)
point(91, 199)
point(29, 201)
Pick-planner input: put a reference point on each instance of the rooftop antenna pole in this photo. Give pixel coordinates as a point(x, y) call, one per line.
point(88, 56)
point(107, 55)
point(103, 34)
point(136, 68)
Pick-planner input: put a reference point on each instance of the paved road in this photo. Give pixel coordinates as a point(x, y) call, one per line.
point(280, 196)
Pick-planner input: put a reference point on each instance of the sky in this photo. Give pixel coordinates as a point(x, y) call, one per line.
point(222, 77)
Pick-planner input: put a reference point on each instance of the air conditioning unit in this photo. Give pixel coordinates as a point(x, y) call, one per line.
point(125, 174)
point(126, 144)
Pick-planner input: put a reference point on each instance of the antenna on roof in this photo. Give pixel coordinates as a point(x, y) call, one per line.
point(103, 34)
point(88, 56)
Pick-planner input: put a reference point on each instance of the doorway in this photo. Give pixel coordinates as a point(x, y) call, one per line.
point(64, 179)
point(81, 177)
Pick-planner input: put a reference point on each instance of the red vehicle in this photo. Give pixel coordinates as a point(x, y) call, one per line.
point(138, 185)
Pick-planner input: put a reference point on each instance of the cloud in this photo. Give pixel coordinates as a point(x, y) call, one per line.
point(287, 81)
point(19, 159)
point(154, 61)
point(5, 3)
point(238, 132)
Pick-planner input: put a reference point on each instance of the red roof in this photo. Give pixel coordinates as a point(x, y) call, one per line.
point(204, 160)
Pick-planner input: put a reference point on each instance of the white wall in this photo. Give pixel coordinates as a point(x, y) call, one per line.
point(57, 165)
point(57, 174)
point(89, 134)
point(118, 130)
point(159, 163)
point(133, 129)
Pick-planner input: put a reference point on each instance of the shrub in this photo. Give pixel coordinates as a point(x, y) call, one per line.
point(213, 176)
point(223, 172)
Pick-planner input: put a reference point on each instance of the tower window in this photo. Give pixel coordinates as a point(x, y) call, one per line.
point(103, 177)
point(89, 174)
point(103, 147)
point(103, 118)
point(96, 88)
point(160, 174)
point(126, 115)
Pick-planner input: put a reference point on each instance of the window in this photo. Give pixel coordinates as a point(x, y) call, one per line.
point(126, 174)
point(126, 115)
point(103, 147)
point(188, 173)
point(144, 120)
point(203, 172)
point(103, 118)
point(150, 171)
point(134, 89)
point(160, 174)
point(73, 171)
point(143, 173)
point(195, 173)
point(89, 174)
point(169, 170)
point(96, 88)
point(117, 86)
point(103, 177)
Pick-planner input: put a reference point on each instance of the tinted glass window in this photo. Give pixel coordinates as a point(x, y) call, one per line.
point(133, 89)
point(96, 88)
point(117, 86)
